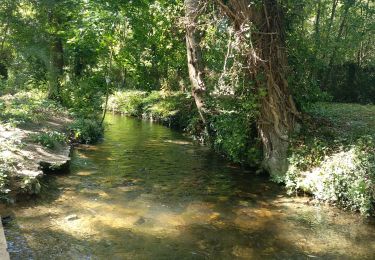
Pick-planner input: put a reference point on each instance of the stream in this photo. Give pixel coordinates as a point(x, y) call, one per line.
point(148, 192)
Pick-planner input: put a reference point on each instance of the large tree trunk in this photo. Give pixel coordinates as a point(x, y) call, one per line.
point(4, 34)
point(56, 55)
point(317, 25)
point(56, 68)
point(194, 55)
point(333, 12)
point(266, 63)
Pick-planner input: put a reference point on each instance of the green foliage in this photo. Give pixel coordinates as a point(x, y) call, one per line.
point(236, 141)
point(27, 106)
point(304, 85)
point(333, 157)
point(331, 52)
point(353, 83)
point(84, 96)
point(51, 139)
point(175, 109)
point(85, 130)
point(127, 102)
point(171, 108)
point(346, 177)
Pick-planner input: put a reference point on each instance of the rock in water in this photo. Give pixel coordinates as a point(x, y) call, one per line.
point(71, 217)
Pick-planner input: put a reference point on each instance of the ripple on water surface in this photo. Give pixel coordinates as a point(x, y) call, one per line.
point(147, 192)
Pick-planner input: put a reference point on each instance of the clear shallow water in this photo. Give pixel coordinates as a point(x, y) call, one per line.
point(147, 192)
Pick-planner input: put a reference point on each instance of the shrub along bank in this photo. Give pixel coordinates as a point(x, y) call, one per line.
point(331, 158)
point(174, 109)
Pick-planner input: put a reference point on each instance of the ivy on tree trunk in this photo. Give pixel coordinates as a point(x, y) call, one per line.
point(266, 64)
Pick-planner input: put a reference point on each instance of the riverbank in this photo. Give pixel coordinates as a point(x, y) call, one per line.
point(173, 109)
point(148, 192)
point(332, 157)
point(36, 135)
point(33, 138)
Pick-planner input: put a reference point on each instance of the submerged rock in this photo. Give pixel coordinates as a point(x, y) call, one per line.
point(140, 221)
point(72, 217)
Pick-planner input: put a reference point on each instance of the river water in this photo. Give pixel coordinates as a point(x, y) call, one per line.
point(148, 192)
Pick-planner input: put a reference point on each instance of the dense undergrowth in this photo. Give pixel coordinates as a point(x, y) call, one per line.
point(331, 158)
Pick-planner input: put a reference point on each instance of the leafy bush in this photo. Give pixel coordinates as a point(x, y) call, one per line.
point(84, 96)
point(127, 102)
point(232, 139)
point(86, 130)
point(346, 177)
point(49, 139)
point(171, 108)
point(333, 157)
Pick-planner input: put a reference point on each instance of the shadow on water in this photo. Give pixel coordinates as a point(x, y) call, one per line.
point(135, 245)
point(147, 192)
point(16, 242)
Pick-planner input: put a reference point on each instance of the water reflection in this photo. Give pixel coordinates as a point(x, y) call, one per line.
point(147, 192)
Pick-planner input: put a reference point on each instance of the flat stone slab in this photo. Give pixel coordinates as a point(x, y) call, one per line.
point(28, 160)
